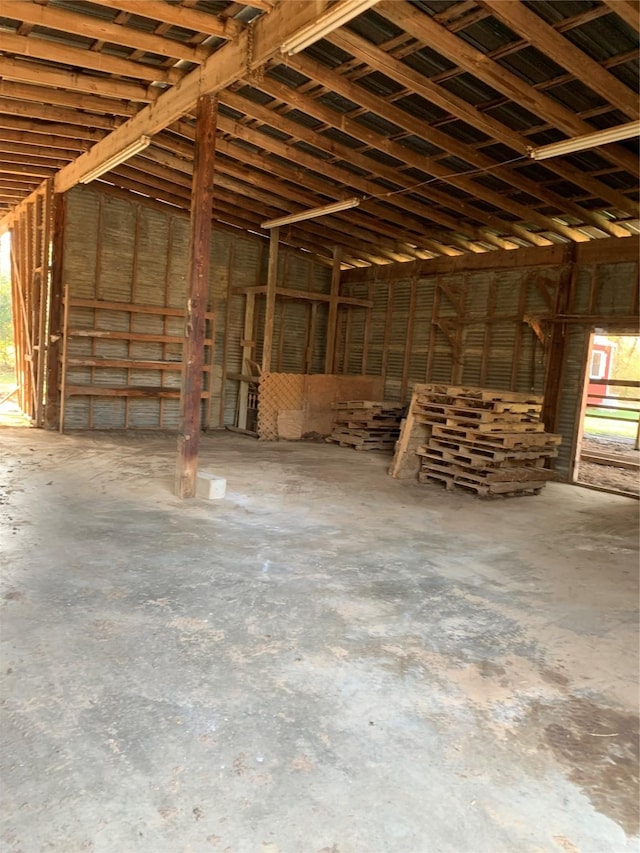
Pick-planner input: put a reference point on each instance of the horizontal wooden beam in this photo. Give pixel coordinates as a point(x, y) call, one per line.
point(628, 10)
point(78, 136)
point(537, 32)
point(43, 112)
point(177, 16)
point(79, 91)
point(97, 28)
point(414, 82)
point(305, 295)
point(605, 251)
point(428, 31)
point(217, 72)
point(52, 51)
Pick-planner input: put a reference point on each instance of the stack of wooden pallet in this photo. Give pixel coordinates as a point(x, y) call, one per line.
point(491, 442)
point(366, 425)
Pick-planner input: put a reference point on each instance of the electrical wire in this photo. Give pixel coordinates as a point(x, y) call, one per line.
point(444, 178)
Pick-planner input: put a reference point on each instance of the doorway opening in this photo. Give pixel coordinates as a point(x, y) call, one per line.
point(608, 454)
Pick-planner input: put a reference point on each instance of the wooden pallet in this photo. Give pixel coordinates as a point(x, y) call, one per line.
point(487, 441)
point(366, 425)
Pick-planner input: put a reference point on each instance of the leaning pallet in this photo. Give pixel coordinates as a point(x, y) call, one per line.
point(486, 441)
point(366, 425)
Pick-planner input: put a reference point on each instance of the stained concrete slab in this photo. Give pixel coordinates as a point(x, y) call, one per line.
point(327, 661)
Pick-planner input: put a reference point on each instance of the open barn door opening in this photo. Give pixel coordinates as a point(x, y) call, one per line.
point(608, 455)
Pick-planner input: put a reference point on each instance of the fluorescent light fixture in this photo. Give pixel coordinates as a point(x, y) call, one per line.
point(589, 140)
point(312, 213)
point(341, 13)
point(115, 159)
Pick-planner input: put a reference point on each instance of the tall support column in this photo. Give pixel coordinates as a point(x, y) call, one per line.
point(270, 307)
point(197, 291)
point(555, 363)
point(332, 321)
point(52, 401)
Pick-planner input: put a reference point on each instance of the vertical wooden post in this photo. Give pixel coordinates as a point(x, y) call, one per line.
point(247, 351)
point(197, 290)
point(555, 364)
point(332, 321)
point(63, 359)
point(270, 307)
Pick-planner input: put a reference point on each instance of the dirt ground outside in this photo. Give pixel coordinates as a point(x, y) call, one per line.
point(609, 476)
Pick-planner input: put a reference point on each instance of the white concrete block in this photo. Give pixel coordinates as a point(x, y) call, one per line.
point(210, 487)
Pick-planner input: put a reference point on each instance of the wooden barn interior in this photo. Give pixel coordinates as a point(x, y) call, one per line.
point(246, 239)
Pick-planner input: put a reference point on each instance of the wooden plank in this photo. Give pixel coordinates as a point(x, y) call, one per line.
point(51, 51)
point(43, 318)
point(408, 346)
point(65, 346)
point(269, 313)
point(459, 108)
point(537, 32)
point(329, 360)
point(428, 31)
point(334, 81)
point(127, 391)
point(35, 82)
point(555, 361)
point(304, 295)
point(628, 10)
point(108, 334)
point(197, 294)
point(177, 16)
point(70, 22)
point(224, 67)
point(535, 257)
point(131, 307)
point(247, 355)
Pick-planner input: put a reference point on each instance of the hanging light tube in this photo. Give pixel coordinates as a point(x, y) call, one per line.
point(343, 12)
point(116, 159)
point(589, 140)
point(312, 213)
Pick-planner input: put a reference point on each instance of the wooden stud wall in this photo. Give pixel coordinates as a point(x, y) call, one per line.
point(515, 327)
point(30, 297)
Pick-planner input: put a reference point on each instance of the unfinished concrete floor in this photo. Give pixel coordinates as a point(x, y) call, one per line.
point(327, 661)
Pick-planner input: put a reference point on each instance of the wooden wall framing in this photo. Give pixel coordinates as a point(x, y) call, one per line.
point(521, 323)
point(31, 298)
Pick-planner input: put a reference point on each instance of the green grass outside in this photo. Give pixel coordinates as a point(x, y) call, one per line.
point(625, 428)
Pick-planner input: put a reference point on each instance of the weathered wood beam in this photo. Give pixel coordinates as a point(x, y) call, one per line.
point(459, 108)
point(301, 171)
point(628, 10)
point(78, 138)
point(309, 105)
point(90, 25)
point(533, 28)
point(43, 112)
point(332, 321)
point(401, 209)
point(217, 72)
point(70, 85)
point(178, 16)
point(238, 178)
point(423, 28)
point(270, 305)
point(29, 169)
point(337, 83)
point(52, 51)
point(30, 148)
point(39, 158)
point(197, 295)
